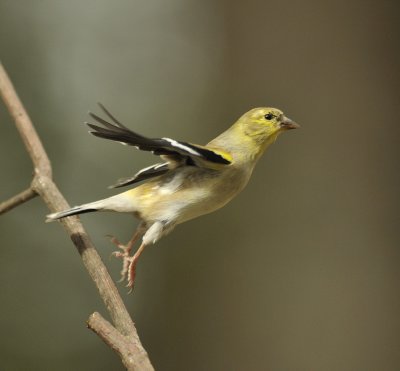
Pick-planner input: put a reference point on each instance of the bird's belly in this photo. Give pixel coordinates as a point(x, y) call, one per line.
point(204, 195)
point(186, 193)
point(183, 210)
point(202, 203)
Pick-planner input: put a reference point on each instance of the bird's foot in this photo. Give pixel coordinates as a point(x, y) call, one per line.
point(131, 273)
point(122, 253)
point(128, 271)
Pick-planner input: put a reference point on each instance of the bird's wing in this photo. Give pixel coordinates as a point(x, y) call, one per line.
point(169, 149)
point(146, 173)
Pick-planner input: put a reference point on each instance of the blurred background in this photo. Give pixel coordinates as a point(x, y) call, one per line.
point(300, 272)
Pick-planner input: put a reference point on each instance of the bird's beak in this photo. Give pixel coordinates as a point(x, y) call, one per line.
point(287, 124)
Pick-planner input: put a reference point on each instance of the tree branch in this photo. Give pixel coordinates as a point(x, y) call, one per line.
point(114, 339)
point(17, 200)
point(123, 338)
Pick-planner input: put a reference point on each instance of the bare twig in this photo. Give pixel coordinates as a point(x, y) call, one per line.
point(17, 200)
point(123, 338)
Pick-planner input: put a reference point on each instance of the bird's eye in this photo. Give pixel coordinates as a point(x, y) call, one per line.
point(269, 116)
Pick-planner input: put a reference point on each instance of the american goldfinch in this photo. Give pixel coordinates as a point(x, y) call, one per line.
point(192, 180)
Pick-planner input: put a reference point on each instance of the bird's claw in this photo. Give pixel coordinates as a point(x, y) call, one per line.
point(128, 271)
point(131, 274)
point(116, 242)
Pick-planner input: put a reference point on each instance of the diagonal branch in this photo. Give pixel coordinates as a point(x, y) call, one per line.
point(123, 338)
point(24, 125)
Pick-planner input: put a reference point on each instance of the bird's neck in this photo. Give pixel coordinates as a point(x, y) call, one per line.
point(244, 146)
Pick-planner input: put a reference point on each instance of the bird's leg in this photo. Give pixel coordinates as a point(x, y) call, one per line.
point(131, 269)
point(126, 249)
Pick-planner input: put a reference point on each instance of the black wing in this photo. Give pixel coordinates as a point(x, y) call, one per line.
point(146, 173)
point(116, 131)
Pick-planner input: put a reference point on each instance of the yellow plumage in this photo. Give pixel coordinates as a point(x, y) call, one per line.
point(192, 181)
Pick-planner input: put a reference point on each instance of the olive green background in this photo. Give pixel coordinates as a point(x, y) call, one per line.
point(300, 272)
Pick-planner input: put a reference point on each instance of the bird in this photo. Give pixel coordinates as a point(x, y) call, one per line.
point(191, 180)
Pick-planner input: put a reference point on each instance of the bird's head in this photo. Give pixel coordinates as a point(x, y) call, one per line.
point(266, 122)
point(261, 126)
point(249, 136)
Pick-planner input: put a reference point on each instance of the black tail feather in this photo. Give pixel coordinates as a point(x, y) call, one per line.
point(107, 112)
point(74, 211)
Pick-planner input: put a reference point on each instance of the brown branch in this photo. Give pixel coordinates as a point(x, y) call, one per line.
point(113, 338)
point(17, 200)
point(24, 125)
point(123, 338)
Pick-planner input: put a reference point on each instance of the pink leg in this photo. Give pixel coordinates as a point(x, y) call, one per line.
point(131, 269)
point(126, 249)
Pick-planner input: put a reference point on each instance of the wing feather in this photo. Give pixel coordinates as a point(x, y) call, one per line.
point(114, 130)
point(146, 173)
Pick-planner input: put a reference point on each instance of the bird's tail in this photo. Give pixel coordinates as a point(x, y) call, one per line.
point(86, 208)
point(123, 202)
